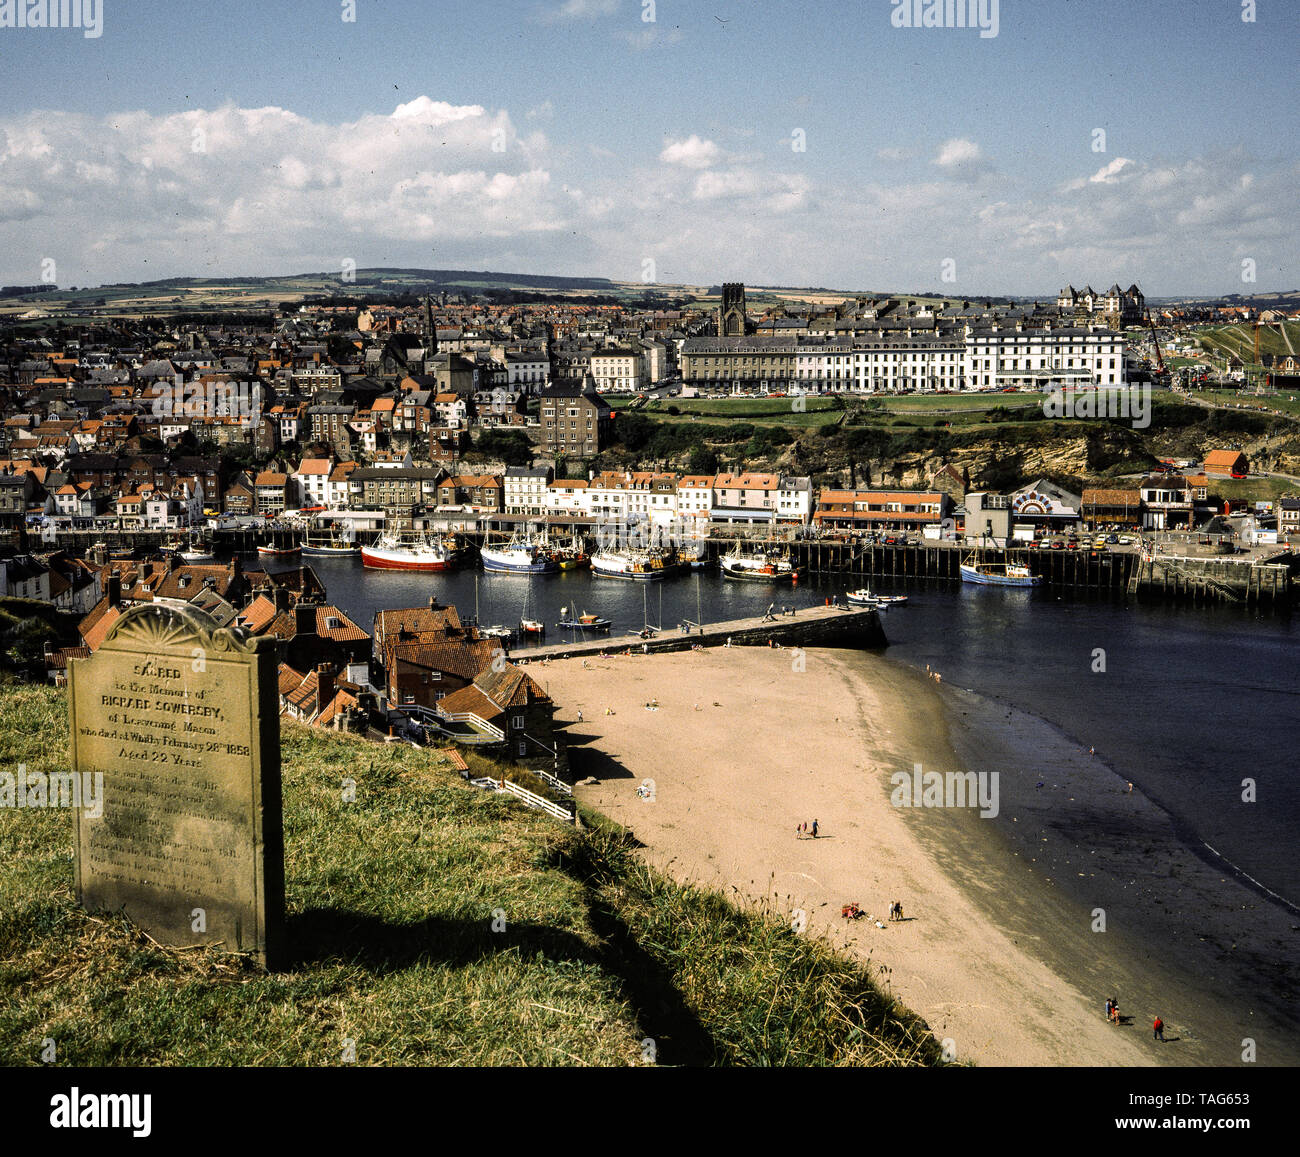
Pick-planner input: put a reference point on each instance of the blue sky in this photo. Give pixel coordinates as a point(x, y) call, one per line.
point(574, 136)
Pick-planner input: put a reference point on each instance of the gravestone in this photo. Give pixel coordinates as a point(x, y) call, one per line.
point(182, 718)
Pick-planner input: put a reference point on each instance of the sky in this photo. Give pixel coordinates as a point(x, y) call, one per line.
point(797, 144)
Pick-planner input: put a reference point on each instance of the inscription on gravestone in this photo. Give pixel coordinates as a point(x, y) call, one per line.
point(181, 717)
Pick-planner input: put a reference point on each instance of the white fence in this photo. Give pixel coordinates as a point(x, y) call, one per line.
point(532, 799)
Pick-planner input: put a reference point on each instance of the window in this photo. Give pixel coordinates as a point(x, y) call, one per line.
point(523, 750)
point(518, 723)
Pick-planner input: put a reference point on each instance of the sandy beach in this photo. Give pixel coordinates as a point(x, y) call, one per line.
point(745, 744)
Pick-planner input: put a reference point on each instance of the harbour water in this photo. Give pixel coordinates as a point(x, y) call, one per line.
point(1186, 702)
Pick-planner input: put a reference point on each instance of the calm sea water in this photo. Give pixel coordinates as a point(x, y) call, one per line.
point(1191, 701)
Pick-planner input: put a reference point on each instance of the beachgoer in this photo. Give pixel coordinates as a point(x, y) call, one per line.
point(579, 714)
point(814, 829)
point(1108, 1007)
point(1130, 788)
point(1158, 1029)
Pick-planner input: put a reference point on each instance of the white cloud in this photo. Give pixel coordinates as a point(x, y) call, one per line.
point(126, 197)
point(692, 153)
point(265, 189)
point(541, 112)
point(577, 10)
point(957, 151)
point(1107, 173)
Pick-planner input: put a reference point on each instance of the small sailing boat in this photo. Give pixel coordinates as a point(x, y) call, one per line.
point(270, 550)
point(863, 598)
point(196, 550)
point(584, 622)
point(529, 626)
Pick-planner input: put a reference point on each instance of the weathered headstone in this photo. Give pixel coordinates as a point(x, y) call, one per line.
point(181, 717)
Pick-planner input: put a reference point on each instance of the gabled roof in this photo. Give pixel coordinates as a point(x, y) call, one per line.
point(510, 687)
point(457, 656)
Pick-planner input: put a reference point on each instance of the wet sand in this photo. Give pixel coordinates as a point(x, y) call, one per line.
point(996, 952)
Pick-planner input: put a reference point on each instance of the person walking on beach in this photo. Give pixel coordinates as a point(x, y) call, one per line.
point(1158, 1030)
point(814, 829)
point(579, 714)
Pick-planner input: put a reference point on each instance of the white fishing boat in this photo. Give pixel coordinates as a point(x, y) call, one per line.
point(863, 598)
point(757, 566)
point(392, 553)
point(643, 566)
point(196, 551)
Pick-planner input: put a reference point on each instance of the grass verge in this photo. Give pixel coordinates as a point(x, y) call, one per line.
point(392, 901)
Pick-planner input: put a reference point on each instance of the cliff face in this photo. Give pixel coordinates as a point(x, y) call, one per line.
point(1002, 458)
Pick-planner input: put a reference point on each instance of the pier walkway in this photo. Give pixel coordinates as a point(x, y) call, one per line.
point(856, 627)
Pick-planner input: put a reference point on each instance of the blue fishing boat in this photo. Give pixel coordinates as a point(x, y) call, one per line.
point(998, 574)
point(519, 556)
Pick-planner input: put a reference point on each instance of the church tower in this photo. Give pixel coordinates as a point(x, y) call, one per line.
point(430, 330)
point(731, 311)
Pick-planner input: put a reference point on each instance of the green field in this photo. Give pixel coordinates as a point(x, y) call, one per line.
point(391, 902)
point(957, 403)
point(795, 413)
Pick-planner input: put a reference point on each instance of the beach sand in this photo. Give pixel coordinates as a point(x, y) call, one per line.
point(744, 746)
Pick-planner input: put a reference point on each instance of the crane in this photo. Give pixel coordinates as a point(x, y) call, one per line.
point(1161, 370)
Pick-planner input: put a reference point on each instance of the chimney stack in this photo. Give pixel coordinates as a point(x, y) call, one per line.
point(304, 616)
point(324, 686)
point(114, 588)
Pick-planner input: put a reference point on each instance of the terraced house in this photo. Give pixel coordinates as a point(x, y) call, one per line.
point(868, 510)
point(914, 355)
point(377, 487)
point(576, 421)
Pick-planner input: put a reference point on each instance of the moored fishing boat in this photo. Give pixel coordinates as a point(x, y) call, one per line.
point(391, 553)
point(757, 566)
point(643, 566)
point(196, 551)
point(322, 541)
point(863, 598)
point(271, 551)
point(998, 574)
point(573, 556)
point(519, 556)
point(532, 627)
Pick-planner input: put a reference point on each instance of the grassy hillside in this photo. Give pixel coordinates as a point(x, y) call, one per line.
point(390, 905)
point(1239, 340)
